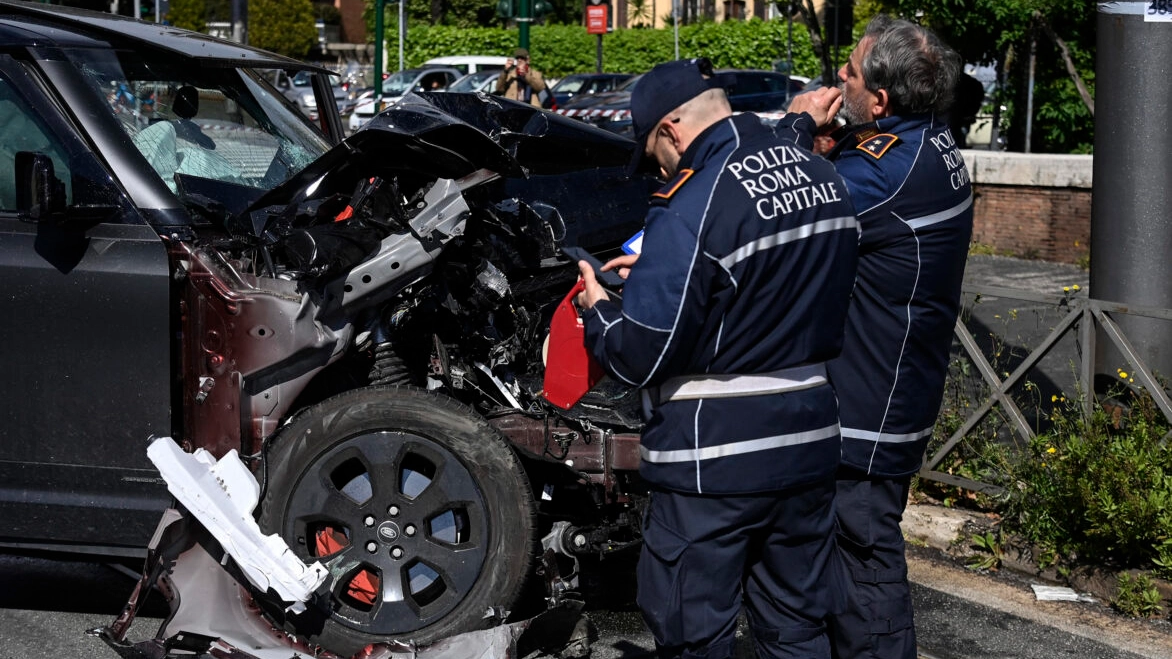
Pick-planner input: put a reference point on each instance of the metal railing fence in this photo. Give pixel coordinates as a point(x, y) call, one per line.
point(1083, 316)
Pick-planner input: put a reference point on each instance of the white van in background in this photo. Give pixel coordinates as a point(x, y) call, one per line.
point(469, 63)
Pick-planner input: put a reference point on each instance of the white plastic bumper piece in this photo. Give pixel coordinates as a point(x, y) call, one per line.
point(222, 496)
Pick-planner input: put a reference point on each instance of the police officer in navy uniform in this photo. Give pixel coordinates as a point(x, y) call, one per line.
point(914, 200)
point(727, 320)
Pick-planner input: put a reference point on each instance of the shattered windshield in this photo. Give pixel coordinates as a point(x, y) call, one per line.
point(221, 124)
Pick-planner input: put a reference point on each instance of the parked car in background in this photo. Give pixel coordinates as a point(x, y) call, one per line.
point(424, 78)
point(761, 91)
point(748, 91)
point(296, 87)
point(579, 84)
point(346, 107)
point(481, 81)
point(470, 63)
point(603, 107)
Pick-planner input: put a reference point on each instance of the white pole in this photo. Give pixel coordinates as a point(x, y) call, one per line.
point(402, 30)
point(675, 22)
point(158, 18)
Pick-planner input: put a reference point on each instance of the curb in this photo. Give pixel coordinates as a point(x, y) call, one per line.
point(938, 527)
point(950, 530)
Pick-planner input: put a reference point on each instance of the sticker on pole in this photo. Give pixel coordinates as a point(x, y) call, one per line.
point(1158, 11)
point(596, 19)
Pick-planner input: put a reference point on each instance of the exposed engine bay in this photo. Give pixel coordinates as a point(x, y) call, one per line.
point(420, 251)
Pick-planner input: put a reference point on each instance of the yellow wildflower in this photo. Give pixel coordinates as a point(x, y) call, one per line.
point(1065, 289)
point(1054, 398)
point(1051, 450)
point(1123, 374)
point(1075, 287)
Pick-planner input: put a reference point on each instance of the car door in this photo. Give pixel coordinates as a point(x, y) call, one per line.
point(751, 93)
point(86, 323)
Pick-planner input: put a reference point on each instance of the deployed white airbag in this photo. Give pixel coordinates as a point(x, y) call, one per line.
point(222, 496)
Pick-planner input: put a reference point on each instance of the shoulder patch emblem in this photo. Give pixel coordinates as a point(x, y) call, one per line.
point(878, 145)
point(674, 185)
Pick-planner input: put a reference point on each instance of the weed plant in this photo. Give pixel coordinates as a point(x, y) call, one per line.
point(1137, 596)
point(1098, 489)
point(1090, 490)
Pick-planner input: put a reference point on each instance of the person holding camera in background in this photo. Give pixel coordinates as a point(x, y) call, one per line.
point(520, 82)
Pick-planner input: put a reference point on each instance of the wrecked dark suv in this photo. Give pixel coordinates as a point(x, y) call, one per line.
point(362, 322)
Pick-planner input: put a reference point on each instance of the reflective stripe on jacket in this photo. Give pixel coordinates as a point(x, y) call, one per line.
point(747, 266)
point(915, 220)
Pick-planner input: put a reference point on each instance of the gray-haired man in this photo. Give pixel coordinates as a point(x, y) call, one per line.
point(911, 189)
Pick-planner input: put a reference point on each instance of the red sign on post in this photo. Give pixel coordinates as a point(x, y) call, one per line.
point(596, 19)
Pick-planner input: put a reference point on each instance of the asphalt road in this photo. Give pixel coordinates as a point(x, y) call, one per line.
point(47, 605)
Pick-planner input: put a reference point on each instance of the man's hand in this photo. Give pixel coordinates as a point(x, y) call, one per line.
point(623, 263)
point(821, 104)
point(593, 291)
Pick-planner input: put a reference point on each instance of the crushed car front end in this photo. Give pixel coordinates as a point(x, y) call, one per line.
point(360, 324)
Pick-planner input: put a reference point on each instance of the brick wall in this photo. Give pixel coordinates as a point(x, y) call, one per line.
point(1032, 206)
point(1052, 224)
point(353, 27)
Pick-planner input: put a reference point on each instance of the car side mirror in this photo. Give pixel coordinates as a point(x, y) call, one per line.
point(39, 193)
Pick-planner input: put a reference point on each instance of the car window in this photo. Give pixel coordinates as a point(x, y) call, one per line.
point(225, 124)
point(21, 130)
point(629, 85)
point(606, 84)
point(569, 85)
point(399, 83)
point(473, 81)
point(748, 83)
point(781, 84)
point(465, 84)
point(434, 81)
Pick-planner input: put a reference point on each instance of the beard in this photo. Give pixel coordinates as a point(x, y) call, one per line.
point(854, 109)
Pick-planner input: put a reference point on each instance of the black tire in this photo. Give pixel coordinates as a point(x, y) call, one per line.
point(381, 469)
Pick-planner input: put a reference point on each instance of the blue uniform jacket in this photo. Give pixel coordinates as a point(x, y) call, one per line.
point(746, 268)
point(914, 201)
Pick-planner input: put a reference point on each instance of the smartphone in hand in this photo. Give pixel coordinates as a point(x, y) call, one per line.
point(609, 279)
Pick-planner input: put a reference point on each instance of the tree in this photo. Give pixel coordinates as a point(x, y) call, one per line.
point(188, 14)
point(282, 26)
point(639, 13)
point(814, 29)
point(1001, 32)
point(219, 10)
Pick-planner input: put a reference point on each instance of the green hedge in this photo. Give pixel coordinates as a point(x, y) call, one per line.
point(559, 50)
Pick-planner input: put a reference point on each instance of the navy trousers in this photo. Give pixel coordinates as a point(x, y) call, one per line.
point(705, 556)
point(877, 622)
